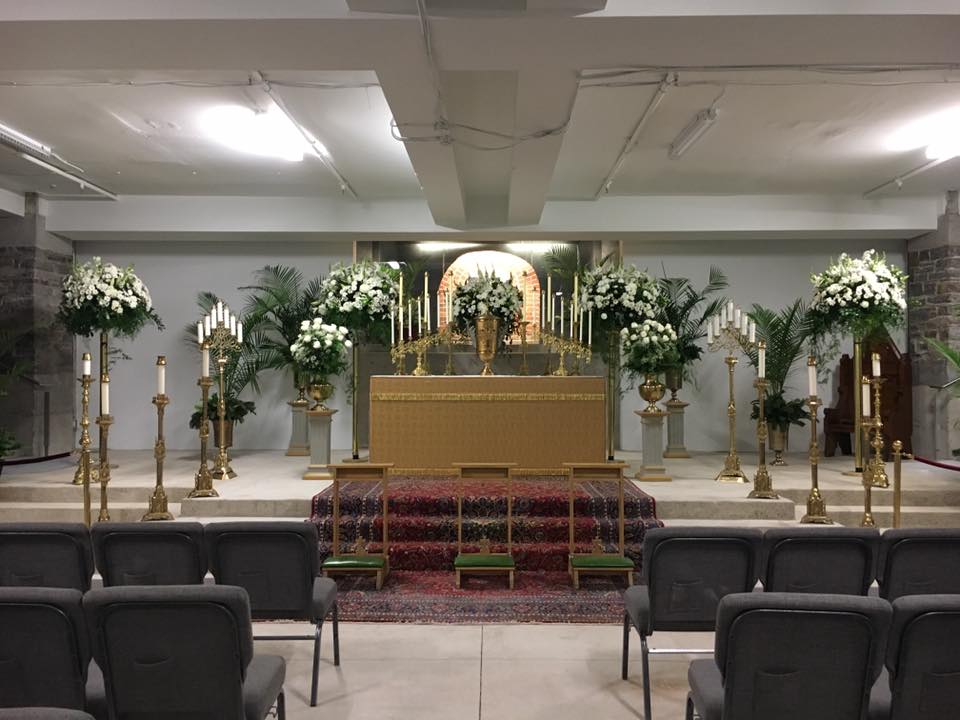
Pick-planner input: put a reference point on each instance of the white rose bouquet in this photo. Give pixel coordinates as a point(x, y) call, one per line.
point(320, 349)
point(101, 297)
point(487, 294)
point(359, 297)
point(650, 347)
point(863, 296)
point(619, 297)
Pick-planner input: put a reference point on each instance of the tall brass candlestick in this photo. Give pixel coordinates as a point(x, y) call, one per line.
point(203, 480)
point(816, 506)
point(221, 467)
point(355, 446)
point(762, 483)
point(858, 425)
point(613, 365)
point(731, 338)
point(158, 499)
point(875, 468)
point(84, 465)
point(104, 421)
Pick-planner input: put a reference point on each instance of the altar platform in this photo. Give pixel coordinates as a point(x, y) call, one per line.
point(269, 485)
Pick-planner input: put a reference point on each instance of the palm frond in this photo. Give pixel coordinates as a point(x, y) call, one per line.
point(785, 333)
point(564, 262)
point(952, 355)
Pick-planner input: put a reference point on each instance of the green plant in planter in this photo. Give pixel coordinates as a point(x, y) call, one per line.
point(235, 410)
point(8, 444)
point(687, 311)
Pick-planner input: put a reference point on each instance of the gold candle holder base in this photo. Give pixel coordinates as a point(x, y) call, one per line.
point(421, 369)
point(731, 472)
point(561, 370)
point(104, 421)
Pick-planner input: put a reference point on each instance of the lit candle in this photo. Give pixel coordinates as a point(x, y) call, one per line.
point(205, 362)
point(875, 357)
point(161, 375)
point(709, 333)
point(753, 331)
point(392, 327)
point(812, 376)
point(419, 318)
point(865, 399)
point(590, 329)
point(762, 361)
point(200, 333)
point(550, 318)
point(86, 365)
point(104, 396)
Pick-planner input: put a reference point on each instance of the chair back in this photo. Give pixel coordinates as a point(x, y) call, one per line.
point(839, 560)
point(44, 651)
point(688, 571)
point(163, 553)
point(919, 562)
point(922, 657)
point(178, 651)
point(275, 562)
point(43, 713)
point(796, 656)
point(45, 555)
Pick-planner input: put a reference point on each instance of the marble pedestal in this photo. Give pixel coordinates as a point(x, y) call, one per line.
point(299, 435)
point(653, 469)
point(676, 447)
point(319, 422)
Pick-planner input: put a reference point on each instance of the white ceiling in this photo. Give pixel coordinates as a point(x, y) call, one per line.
point(119, 94)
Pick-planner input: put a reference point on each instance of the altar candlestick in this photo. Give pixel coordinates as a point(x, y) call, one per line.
point(812, 376)
point(865, 399)
point(875, 358)
point(86, 364)
point(419, 319)
point(161, 375)
point(762, 361)
point(104, 396)
point(205, 362)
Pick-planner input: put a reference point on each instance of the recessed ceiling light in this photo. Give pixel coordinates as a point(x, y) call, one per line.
point(434, 246)
point(268, 134)
point(533, 247)
point(938, 133)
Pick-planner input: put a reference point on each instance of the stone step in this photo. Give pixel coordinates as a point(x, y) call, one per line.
point(72, 512)
point(879, 497)
point(738, 509)
point(911, 516)
point(67, 493)
point(239, 507)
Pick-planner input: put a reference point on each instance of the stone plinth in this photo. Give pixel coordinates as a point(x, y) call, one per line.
point(676, 445)
point(299, 434)
point(319, 422)
point(653, 469)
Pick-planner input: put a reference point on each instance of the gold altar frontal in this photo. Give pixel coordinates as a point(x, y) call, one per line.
point(424, 424)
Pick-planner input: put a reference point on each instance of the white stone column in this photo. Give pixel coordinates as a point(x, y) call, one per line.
point(653, 469)
point(299, 436)
point(320, 422)
point(676, 447)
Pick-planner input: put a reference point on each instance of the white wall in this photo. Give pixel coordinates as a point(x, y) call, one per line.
point(175, 272)
point(772, 273)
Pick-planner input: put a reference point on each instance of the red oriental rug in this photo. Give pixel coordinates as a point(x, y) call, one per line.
point(423, 535)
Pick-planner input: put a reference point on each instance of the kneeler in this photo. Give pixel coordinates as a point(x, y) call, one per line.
point(486, 561)
point(360, 561)
point(597, 562)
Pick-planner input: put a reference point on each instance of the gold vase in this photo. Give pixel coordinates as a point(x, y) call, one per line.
point(673, 378)
point(652, 391)
point(778, 443)
point(488, 330)
point(320, 393)
point(227, 432)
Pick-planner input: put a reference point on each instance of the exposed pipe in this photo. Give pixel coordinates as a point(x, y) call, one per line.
point(901, 179)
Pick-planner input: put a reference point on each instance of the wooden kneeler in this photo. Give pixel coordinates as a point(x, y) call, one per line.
point(597, 562)
point(484, 562)
point(359, 561)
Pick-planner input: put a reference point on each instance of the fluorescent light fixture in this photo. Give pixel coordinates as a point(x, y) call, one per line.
point(267, 134)
point(938, 132)
point(18, 141)
point(82, 182)
point(535, 248)
point(694, 130)
point(443, 246)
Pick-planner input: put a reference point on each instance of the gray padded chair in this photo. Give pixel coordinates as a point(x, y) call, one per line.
point(43, 713)
point(44, 648)
point(792, 656)
point(686, 572)
point(161, 553)
point(922, 678)
point(820, 560)
point(45, 555)
point(277, 563)
point(919, 562)
point(181, 651)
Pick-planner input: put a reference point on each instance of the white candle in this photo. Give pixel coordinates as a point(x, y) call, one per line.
point(200, 333)
point(744, 323)
point(716, 326)
point(753, 331)
point(205, 362)
point(730, 310)
point(219, 311)
point(392, 327)
point(85, 364)
point(590, 329)
point(580, 326)
point(543, 308)
point(812, 376)
point(400, 300)
point(104, 397)
point(161, 375)
point(550, 318)
point(875, 358)
point(419, 318)
point(723, 316)
point(400, 324)
point(239, 332)
point(865, 399)
point(438, 310)
point(426, 298)
point(233, 325)
point(561, 316)
point(410, 320)
point(710, 333)
point(736, 317)
point(206, 326)
point(762, 362)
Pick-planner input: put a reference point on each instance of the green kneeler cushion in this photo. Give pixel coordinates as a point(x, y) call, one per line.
point(484, 561)
point(350, 562)
point(595, 562)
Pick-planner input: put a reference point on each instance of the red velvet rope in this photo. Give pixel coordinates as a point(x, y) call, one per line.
point(937, 464)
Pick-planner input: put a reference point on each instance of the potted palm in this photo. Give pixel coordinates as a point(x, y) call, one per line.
point(786, 333)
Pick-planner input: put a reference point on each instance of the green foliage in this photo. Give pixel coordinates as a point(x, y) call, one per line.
point(780, 412)
point(687, 311)
point(234, 410)
point(8, 443)
point(952, 356)
point(12, 367)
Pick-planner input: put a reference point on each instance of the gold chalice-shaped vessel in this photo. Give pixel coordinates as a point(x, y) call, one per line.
point(320, 392)
point(488, 331)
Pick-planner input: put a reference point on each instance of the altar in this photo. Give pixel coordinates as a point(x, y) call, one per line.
point(539, 422)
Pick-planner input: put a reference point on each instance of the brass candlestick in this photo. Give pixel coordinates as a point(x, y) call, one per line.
point(898, 456)
point(524, 370)
point(203, 480)
point(731, 339)
point(816, 506)
point(867, 520)
point(157, 509)
point(875, 468)
point(104, 422)
point(355, 380)
point(221, 466)
point(84, 465)
point(762, 483)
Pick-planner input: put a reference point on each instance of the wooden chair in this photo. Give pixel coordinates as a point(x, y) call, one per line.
point(484, 562)
point(597, 562)
point(360, 561)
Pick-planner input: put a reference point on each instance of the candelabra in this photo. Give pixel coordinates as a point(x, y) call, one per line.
point(157, 509)
point(762, 483)
point(816, 506)
point(566, 346)
point(84, 465)
point(203, 480)
point(222, 332)
point(874, 468)
point(731, 331)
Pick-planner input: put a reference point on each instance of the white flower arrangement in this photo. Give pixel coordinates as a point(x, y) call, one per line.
point(650, 346)
point(487, 294)
point(620, 296)
point(102, 297)
point(859, 295)
point(320, 348)
point(358, 296)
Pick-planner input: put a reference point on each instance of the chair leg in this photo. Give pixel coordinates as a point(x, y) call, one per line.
point(645, 666)
point(626, 646)
point(281, 706)
point(690, 715)
point(336, 636)
point(316, 665)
